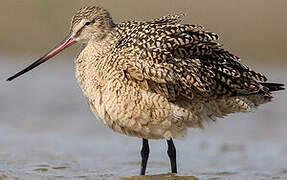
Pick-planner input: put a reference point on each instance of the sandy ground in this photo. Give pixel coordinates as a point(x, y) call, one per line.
point(48, 132)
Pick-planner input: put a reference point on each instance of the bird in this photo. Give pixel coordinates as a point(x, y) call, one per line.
point(155, 79)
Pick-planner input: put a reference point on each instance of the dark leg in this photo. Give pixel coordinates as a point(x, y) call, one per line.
point(172, 155)
point(144, 154)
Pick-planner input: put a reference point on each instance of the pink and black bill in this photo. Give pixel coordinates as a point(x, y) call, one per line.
point(64, 44)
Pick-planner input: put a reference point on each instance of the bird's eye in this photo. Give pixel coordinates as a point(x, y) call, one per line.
point(88, 23)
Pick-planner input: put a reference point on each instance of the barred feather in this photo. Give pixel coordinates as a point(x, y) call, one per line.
point(190, 55)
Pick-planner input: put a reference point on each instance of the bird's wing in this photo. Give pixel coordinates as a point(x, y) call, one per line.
point(179, 59)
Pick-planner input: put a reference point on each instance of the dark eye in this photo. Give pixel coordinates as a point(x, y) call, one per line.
point(88, 23)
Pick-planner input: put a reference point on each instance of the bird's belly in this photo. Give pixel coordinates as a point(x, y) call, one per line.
point(135, 112)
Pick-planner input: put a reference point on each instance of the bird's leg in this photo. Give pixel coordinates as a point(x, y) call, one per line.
point(144, 154)
point(172, 155)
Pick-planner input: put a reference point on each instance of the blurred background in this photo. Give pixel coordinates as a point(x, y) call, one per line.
point(253, 29)
point(48, 131)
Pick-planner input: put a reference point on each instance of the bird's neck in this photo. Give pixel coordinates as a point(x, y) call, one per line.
point(103, 45)
point(93, 58)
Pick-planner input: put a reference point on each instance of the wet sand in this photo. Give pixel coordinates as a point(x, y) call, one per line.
point(48, 132)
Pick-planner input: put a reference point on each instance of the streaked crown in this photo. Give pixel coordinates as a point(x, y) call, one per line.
point(92, 14)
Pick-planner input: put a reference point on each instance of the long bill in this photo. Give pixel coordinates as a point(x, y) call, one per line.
point(68, 41)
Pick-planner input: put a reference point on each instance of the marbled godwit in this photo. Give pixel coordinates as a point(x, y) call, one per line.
point(155, 79)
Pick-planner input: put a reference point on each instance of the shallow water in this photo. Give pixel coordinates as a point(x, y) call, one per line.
point(48, 132)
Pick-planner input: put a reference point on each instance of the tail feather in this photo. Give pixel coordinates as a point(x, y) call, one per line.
point(273, 86)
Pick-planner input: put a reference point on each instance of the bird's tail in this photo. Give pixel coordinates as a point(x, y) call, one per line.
point(273, 86)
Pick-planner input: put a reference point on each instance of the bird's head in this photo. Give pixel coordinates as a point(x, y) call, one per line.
point(89, 23)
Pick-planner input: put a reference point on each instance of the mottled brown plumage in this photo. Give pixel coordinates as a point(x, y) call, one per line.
point(154, 79)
